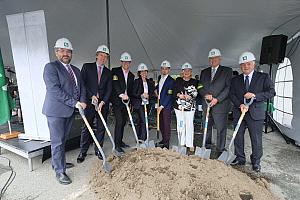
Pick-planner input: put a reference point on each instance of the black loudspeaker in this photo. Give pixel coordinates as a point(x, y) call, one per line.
point(273, 49)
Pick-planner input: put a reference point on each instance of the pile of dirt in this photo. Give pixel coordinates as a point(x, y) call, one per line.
point(162, 174)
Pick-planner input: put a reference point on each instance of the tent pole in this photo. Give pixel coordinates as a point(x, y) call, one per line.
point(107, 30)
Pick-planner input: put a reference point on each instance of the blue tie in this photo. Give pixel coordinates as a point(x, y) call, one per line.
point(72, 76)
point(247, 83)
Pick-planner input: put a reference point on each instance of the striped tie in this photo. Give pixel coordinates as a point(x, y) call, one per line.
point(72, 76)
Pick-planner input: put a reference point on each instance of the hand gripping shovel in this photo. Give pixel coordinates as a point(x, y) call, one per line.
point(114, 151)
point(180, 149)
point(203, 152)
point(228, 156)
point(138, 142)
point(106, 166)
point(148, 144)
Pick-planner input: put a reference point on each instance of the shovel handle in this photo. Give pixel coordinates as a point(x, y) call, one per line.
point(236, 129)
point(248, 103)
point(126, 102)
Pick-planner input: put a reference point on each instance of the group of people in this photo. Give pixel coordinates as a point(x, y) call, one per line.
point(68, 88)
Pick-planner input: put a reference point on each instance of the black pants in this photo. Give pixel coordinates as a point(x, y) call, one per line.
point(86, 138)
point(121, 116)
point(141, 127)
point(255, 128)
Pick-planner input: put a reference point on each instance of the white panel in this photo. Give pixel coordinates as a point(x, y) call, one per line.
point(30, 53)
point(288, 105)
point(280, 88)
point(279, 116)
point(288, 73)
point(281, 74)
point(288, 89)
point(287, 120)
point(279, 104)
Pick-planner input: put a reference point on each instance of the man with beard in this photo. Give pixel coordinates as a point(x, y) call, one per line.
point(64, 92)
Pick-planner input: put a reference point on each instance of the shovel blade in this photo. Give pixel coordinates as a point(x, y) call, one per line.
point(230, 158)
point(107, 168)
point(181, 150)
point(203, 152)
point(224, 156)
point(151, 144)
point(116, 153)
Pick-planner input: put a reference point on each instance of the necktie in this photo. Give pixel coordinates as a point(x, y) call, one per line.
point(99, 73)
point(72, 76)
point(247, 83)
point(213, 73)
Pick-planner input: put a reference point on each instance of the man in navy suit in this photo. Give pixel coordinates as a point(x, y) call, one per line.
point(64, 92)
point(164, 91)
point(97, 79)
point(250, 84)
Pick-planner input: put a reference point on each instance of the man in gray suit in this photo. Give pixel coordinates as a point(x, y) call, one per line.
point(64, 92)
point(216, 81)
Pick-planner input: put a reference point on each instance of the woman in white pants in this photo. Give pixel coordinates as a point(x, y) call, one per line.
point(185, 92)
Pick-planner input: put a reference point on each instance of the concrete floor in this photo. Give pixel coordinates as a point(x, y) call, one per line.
point(280, 163)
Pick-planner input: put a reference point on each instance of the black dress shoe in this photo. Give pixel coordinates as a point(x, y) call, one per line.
point(81, 157)
point(120, 150)
point(63, 178)
point(256, 168)
point(69, 165)
point(99, 155)
point(237, 162)
point(124, 145)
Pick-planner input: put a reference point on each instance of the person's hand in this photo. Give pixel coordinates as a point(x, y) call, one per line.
point(155, 93)
point(159, 109)
point(187, 97)
point(244, 108)
point(80, 105)
point(94, 99)
point(213, 102)
point(249, 95)
point(100, 106)
point(146, 95)
point(181, 96)
point(125, 97)
point(208, 97)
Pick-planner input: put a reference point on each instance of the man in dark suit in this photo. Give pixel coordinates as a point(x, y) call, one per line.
point(64, 92)
point(97, 79)
point(216, 85)
point(123, 81)
point(250, 84)
point(164, 91)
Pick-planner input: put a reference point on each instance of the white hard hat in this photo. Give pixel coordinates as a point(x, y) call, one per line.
point(103, 48)
point(246, 57)
point(186, 66)
point(125, 57)
point(63, 43)
point(165, 63)
point(214, 53)
point(142, 67)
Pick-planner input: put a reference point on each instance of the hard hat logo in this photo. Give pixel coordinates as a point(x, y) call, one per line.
point(66, 44)
point(245, 58)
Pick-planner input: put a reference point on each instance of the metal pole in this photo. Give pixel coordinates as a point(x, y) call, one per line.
point(268, 103)
point(107, 30)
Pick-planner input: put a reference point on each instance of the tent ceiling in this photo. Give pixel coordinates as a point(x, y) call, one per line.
point(180, 31)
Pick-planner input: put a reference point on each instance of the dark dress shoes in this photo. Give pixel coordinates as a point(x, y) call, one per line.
point(120, 150)
point(63, 178)
point(99, 155)
point(256, 168)
point(237, 162)
point(124, 145)
point(81, 157)
point(69, 165)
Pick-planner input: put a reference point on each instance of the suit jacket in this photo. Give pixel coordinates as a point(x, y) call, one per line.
point(60, 92)
point(263, 88)
point(166, 94)
point(119, 85)
point(89, 75)
point(138, 90)
point(219, 88)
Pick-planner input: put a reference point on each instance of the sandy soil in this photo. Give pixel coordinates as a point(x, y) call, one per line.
point(162, 174)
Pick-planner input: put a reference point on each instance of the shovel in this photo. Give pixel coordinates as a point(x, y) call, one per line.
point(203, 152)
point(106, 166)
point(114, 151)
point(138, 142)
point(148, 144)
point(180, 149)
point(228, 156)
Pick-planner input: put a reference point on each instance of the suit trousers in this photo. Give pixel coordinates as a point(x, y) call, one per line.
point(141, 127)
point(165, 125)
point(86, 139)
point(219, 120)
point(121, 116)
point(255, 128)
point(186, 129)
point(59, 128)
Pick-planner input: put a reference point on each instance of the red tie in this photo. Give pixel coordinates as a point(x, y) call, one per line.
point(99, 74)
